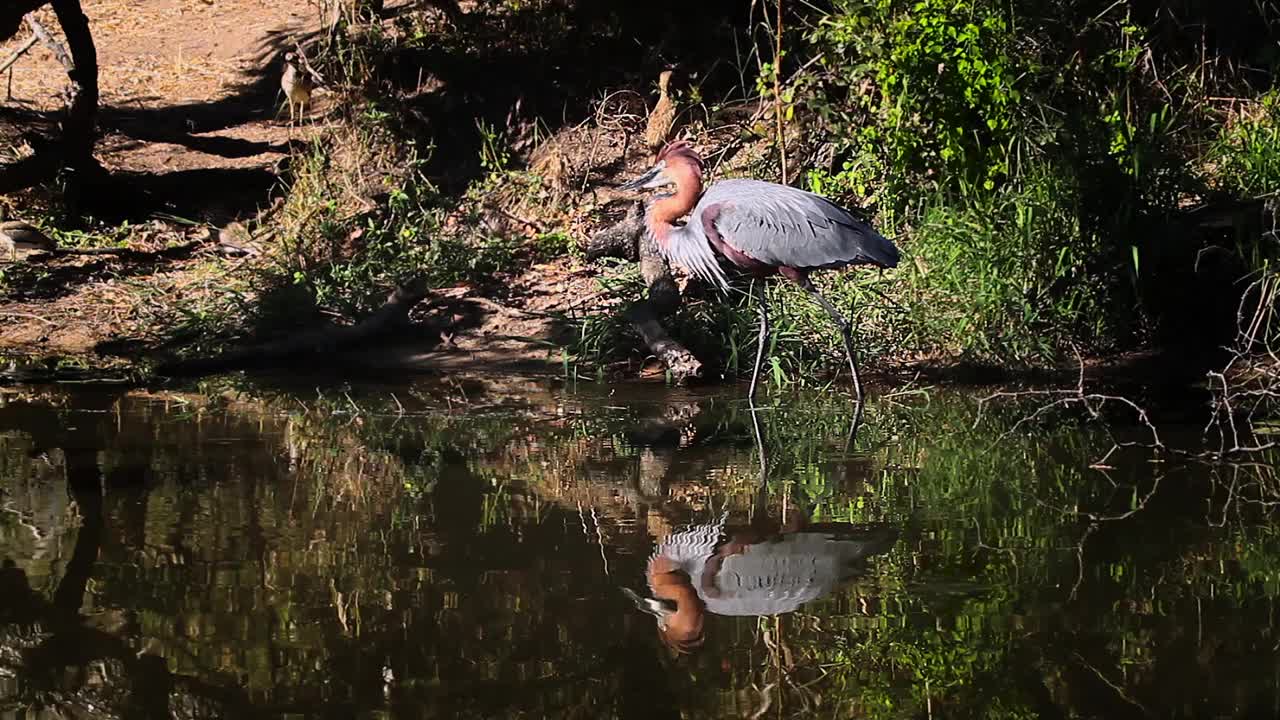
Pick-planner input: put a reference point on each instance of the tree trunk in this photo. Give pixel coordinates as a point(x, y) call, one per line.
point(79, 128)
point(80, 58)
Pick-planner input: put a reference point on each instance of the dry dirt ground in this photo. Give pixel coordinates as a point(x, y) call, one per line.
point(182, 74)
point(190, 114)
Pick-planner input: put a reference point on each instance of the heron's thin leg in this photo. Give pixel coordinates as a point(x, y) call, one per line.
point(764, 459)
point(845, 329)
point(852, 439)
point(764, 332)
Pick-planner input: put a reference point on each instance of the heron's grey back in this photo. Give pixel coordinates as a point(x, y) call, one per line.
point(788, 227)
point(778, 577)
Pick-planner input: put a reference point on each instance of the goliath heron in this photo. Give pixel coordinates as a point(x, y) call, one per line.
point(761, 228)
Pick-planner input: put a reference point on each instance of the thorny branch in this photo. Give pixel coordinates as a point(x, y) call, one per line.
point(1242, 392)
point(1093, 403)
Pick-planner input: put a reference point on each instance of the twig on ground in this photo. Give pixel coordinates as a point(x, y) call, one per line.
point(30, 316)
point(19, 52)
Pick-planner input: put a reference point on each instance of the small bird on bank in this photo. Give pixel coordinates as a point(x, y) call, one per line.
point(759, 228)
point(18, 235)
point(663, 117)
point(297, 83)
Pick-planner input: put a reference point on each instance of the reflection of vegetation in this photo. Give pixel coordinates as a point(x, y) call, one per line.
point(457, 548)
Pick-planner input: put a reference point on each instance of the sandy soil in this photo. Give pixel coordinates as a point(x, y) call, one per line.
point(173, 84)
point(165, 54)
point(190, 93)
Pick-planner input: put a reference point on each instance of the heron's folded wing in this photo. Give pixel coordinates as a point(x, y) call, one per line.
point(788, 227)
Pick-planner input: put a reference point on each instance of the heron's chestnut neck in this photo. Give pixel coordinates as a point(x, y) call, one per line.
point(682, 629)
point(665, 211)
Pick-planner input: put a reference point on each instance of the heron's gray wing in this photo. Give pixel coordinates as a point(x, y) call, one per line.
point(785, 226)
point(780, 576)
point(771, 578)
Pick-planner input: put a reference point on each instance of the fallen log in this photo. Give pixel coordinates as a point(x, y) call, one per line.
point(627, 239)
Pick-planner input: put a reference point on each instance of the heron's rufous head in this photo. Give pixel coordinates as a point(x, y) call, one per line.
point(678, 164)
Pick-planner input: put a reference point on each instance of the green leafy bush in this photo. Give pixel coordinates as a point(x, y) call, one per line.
point(1009, 276)
point(916, 94)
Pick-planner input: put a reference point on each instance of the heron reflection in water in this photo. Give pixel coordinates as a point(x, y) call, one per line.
point(750, 572)
point(755, 570)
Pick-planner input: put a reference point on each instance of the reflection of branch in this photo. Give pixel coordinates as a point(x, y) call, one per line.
point(1231, 446)
point(1137, 507)
point(1093, 403)
point(1080, 559)
point(1013, 555)
point(766, 700)
point(73, 642)
point(84, 480)
point(1119, 690)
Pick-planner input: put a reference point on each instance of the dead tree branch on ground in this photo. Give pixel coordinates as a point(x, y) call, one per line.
point(626, 239)
point(19, 52)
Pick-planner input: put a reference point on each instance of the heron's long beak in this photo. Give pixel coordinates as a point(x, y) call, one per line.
point(655, 607)
point(654, 177)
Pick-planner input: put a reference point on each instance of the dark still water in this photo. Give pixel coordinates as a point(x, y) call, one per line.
point(508, 549)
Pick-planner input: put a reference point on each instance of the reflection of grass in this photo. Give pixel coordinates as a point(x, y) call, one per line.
point(998, 509)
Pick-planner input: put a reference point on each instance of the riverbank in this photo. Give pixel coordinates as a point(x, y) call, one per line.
point(474, 153)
